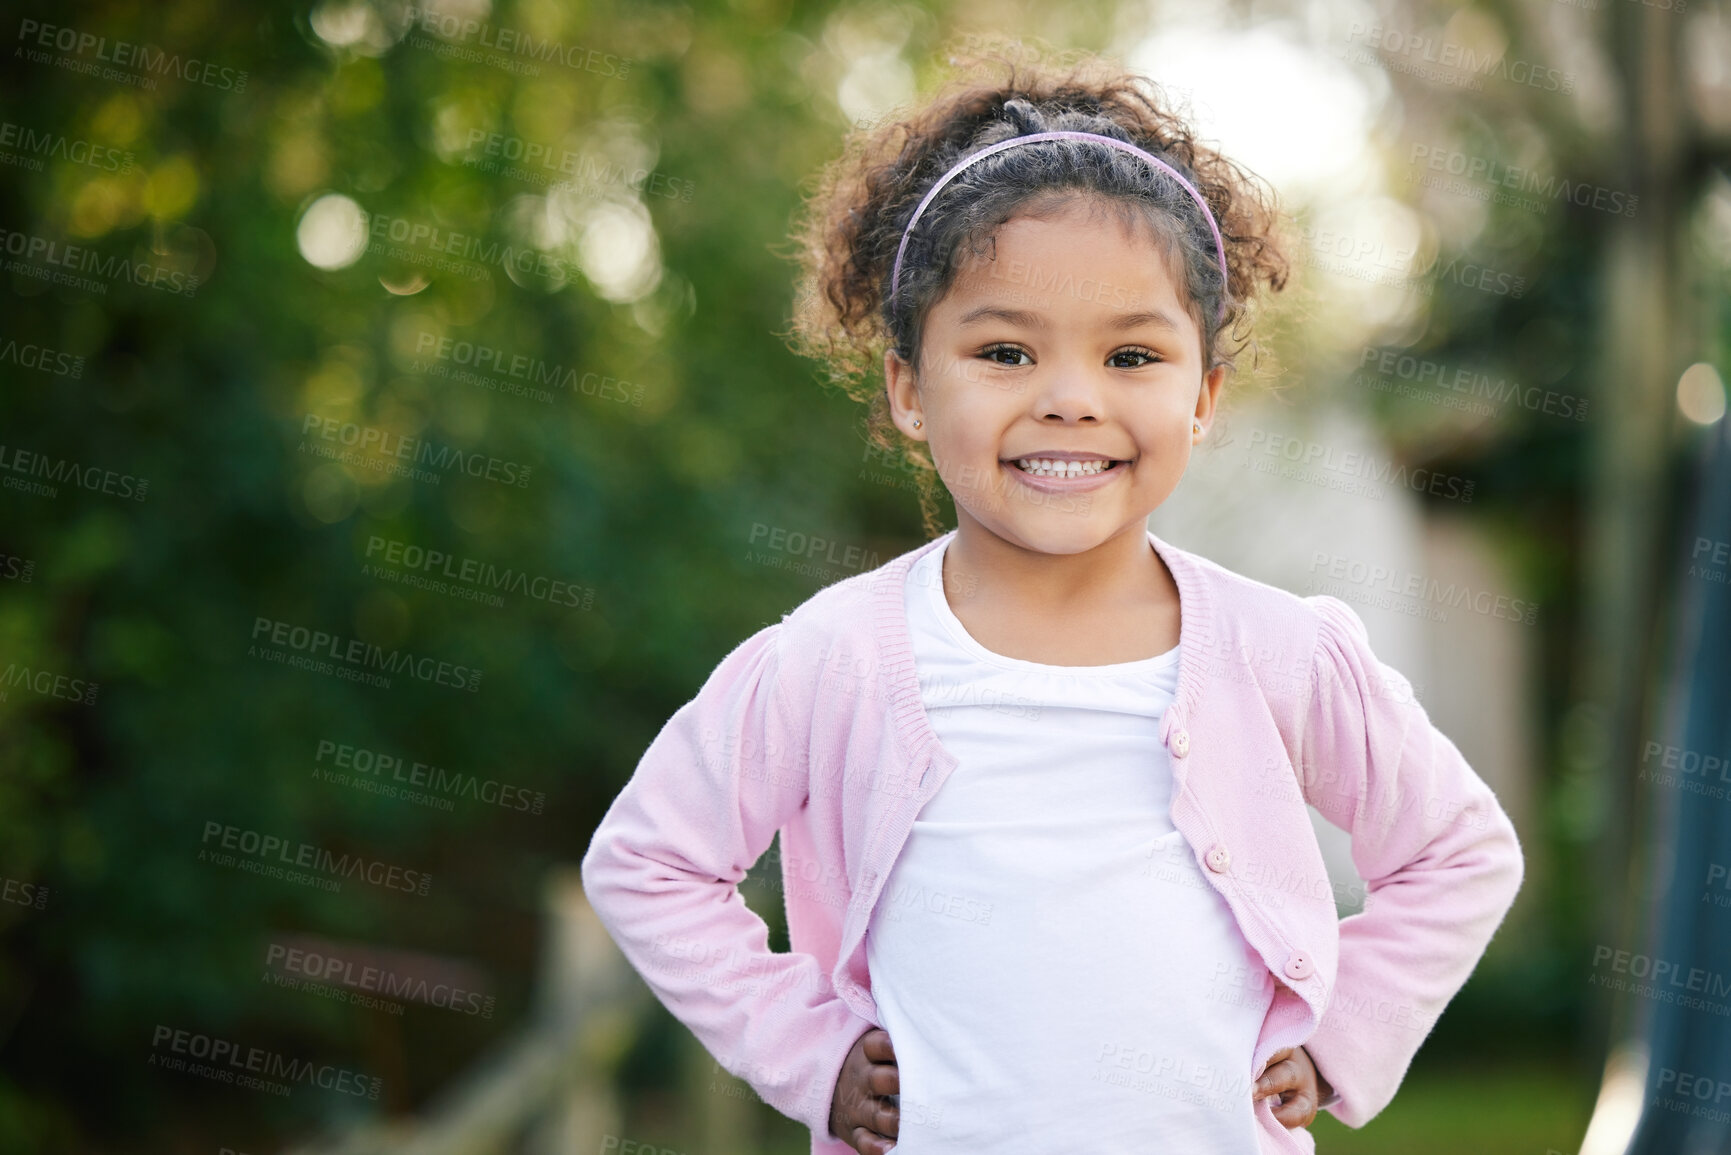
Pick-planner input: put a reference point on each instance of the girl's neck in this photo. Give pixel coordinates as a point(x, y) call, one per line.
point(1114, 603)
point(1122, 568)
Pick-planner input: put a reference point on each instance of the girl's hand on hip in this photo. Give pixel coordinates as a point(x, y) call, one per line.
point(1292, 1079)
point(859, 1115)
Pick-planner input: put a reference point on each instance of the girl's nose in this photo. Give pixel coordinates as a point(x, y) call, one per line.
point(1068, 394)
point(1070, 405)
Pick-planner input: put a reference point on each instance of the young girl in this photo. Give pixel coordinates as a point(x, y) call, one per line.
point(1041, 782)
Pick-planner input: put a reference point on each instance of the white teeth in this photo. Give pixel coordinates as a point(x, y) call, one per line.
point(1047, 467)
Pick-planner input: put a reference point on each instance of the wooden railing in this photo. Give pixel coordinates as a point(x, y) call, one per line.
point(548, 1088)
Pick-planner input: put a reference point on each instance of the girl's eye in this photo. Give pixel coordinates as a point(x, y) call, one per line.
point(991, 354)
point(1146, 355)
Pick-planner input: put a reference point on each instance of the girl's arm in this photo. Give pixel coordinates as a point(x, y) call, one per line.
point(1438, 855)
point(727, 770)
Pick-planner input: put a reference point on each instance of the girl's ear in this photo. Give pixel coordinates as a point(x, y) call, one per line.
point(1208, 397)
point(902, 387)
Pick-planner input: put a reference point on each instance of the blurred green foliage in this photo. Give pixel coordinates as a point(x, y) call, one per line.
point(644, 494)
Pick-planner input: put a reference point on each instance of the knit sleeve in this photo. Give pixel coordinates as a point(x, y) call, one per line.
point(727, 770)
point(1438, 855)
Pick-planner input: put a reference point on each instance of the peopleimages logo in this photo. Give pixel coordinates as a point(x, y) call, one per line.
point(88, 53)
point(1664, 980)
point(1374, 261)
point(388, 443)
point(42, 359)
point(15, 568)
point(1471, 384)
point(359, 764)
point(43, 258)
point(487, 359)
point(306, 856)
point(1373, 578)
point(538, 164)
point(504, 42)
point(357, 656)
point(1432, 59)
point(1355, 471)
point(797, 544)
point(1700, 1087)
point(92, 477)
point(1717, 564)
point(228, 1062)
point(467, 577)
point(33, 145)
point(1522, 180)
point(31, 894)
point(358, 974)
point(472, 254)
point(48, 683)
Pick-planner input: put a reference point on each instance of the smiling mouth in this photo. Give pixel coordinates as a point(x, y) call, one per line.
point(1045, 467)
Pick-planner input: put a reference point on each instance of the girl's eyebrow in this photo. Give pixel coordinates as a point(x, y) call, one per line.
point(999, 313)
point(1035, 321)
point(1156, 318)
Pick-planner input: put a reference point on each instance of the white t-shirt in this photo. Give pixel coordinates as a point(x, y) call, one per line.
point(1050, 964)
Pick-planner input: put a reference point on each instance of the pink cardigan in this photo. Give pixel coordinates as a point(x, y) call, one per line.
point(813, 727)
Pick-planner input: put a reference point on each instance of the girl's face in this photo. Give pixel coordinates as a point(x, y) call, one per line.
point(1070, 343)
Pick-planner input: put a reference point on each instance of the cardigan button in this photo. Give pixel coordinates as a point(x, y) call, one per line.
point(1217, 858)
point(1181, 743)
point(1298, 966)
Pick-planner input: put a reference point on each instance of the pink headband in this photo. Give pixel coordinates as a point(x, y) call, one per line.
point(1219, 245)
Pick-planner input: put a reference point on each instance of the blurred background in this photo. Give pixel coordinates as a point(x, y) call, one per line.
point(396, 429)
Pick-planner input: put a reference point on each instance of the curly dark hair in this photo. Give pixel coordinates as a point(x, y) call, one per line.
point(852, 223)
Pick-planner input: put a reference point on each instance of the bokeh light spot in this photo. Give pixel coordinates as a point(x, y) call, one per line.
point(1701, 394)
point(333, 232)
